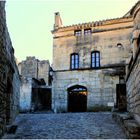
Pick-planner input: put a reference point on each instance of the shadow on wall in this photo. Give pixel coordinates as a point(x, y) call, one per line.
point(41, 99)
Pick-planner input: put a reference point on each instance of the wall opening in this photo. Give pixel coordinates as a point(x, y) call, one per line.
point(121, 103)
point(41, 99)
point(77, 99)
point(9, 91)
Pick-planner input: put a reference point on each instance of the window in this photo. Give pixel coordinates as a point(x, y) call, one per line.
point(87, 31)
point(78, 33)
point(95, 59)
point(74, 61)
point(119, 45)
point(121, 80)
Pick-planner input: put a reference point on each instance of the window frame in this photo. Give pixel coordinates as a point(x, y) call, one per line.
point(87, 33)
point(95, 59)
point(119, 45)
point(78, 33)
point(75, 61)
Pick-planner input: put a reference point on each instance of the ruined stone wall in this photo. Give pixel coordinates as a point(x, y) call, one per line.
point(112, 39)
point(43, 70)
point(33, 94)
point(9, 76)
point(133, 75)
point(34, 68)
point(25, 94)
point(29, 67)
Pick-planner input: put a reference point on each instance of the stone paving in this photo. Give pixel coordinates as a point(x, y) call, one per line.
point(66, 126)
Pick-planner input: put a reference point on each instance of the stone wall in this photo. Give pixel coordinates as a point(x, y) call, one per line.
point(29, 67)
point(133, 71)
point(112, 38)
point(34, 68)
point(16, 95)
point(133, 90)
point(101, 88)
point(25, 94)
point(9, 76)
point(43, 70)
point(34, 95)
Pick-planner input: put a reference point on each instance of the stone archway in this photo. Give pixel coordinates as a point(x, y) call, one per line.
point(77, 99)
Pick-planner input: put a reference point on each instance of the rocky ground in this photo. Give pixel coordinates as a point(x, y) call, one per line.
point(66, 126)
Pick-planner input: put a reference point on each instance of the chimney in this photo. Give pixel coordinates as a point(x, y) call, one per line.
point(58, 21)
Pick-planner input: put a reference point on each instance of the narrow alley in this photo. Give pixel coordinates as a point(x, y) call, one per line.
point(66, 126)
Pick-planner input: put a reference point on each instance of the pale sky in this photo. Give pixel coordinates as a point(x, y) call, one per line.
point(30, 21)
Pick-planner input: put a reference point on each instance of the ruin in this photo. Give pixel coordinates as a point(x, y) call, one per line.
point(35, 88)
point(34, 68)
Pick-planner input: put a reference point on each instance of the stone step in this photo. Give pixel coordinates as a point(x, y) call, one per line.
point(128, 124)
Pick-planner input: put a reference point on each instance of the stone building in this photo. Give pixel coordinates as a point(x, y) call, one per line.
point(89, 62)
point(9, 76)
point(35, 90)
point(133, 69)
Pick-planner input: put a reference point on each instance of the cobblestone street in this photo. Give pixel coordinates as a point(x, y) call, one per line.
point(66, 126)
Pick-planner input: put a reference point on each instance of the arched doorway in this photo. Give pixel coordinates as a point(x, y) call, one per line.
point(77, 99)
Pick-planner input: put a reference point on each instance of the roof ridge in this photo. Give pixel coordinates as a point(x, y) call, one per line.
point(94, 23)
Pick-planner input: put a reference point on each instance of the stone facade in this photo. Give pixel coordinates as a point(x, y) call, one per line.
point(9, 76)
point(101, 88)
point(112, 38)
point(133, 69)
point(34, 68)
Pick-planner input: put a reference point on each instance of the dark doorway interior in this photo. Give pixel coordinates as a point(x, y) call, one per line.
point(121, 97)
point(9, 91)
point(77, 99)
point(41, 98)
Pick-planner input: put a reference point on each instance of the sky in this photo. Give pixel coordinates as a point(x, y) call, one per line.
point(30, 21)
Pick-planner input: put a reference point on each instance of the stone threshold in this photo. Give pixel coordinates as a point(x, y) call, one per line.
point(129, 125)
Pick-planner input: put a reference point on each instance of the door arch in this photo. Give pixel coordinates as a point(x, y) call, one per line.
point(77, 99)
